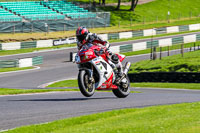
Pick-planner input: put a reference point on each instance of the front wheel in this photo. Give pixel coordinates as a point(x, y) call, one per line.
point(86, 87)
point(123, 90)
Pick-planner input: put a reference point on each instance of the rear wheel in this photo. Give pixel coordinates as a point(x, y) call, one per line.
point(123, 89)
point(86, 87)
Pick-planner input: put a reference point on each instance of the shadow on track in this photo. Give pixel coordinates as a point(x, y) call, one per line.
point(69, 99)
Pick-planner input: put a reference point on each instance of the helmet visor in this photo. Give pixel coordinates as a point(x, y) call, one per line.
point(81, 37)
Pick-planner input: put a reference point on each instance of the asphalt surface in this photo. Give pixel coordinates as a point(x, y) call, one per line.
point(21, 110)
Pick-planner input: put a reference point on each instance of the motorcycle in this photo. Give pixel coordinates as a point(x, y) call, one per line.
point(95, 73)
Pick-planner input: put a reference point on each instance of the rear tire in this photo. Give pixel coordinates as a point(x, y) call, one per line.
point(87, 89)
point(122, 92)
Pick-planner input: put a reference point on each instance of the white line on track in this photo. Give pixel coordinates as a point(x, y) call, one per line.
point(36, 68)
point(47, 84)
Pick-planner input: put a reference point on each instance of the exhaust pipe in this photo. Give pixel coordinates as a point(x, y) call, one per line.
point(127, 67)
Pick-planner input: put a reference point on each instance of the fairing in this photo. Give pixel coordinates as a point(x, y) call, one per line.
point(105, 71)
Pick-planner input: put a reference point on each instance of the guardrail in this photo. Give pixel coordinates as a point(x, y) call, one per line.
point(120, 35)
point(25, 62)
point(150, 44)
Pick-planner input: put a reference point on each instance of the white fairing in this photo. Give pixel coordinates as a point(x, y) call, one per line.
point(102, 67)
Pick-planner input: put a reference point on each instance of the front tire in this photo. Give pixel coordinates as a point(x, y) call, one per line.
point(86, 88)
point(122, 92)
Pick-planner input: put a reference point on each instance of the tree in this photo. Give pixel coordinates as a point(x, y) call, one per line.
point(133, 4)
point(118, 5)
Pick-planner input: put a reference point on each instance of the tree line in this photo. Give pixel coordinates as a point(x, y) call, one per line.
point(132, 8)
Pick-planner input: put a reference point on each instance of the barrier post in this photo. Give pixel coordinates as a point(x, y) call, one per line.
point(64, 27)
point(168, 51)
point(31, 27)
point(160, 53)
point(154, 53)
point(182, 49)
point(13, 29)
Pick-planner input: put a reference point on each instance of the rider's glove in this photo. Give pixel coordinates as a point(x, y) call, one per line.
point(108, 51)
point(101, 51)
point(107, 45)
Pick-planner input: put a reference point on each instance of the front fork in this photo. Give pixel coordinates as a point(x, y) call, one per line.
point(90, 73)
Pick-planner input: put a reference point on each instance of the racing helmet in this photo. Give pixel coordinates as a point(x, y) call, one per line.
point(81, 33)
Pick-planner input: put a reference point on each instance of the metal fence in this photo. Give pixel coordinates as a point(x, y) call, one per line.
point(56, 22)
point(100, 20)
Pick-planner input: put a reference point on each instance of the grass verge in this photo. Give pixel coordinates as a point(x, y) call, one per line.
point(14, 69)
point(74, 83)
point(65, 83)
point(157, 119)
point(7, 91)
point(195, 86)
point(176, 63)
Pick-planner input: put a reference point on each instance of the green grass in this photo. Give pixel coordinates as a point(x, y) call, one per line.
point(7, 91)
point(168, 85)
point(151, 12)
point(176, 63)
point(74, 83)
point(65, 83)
point(14, 69)
point(175, 118)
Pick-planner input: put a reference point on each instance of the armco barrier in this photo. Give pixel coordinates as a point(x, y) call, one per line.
point(37, 60)
point(121, 35)
point(9, 63)
point(148, 44)
point(25, 45)
point(173, 77)
point(25, 62)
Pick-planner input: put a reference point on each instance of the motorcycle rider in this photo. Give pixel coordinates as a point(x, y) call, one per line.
point(84, 37)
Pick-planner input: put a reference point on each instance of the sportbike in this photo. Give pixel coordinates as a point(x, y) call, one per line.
point(95, 73)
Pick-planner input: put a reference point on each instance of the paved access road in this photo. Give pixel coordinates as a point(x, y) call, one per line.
point(21, 110)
